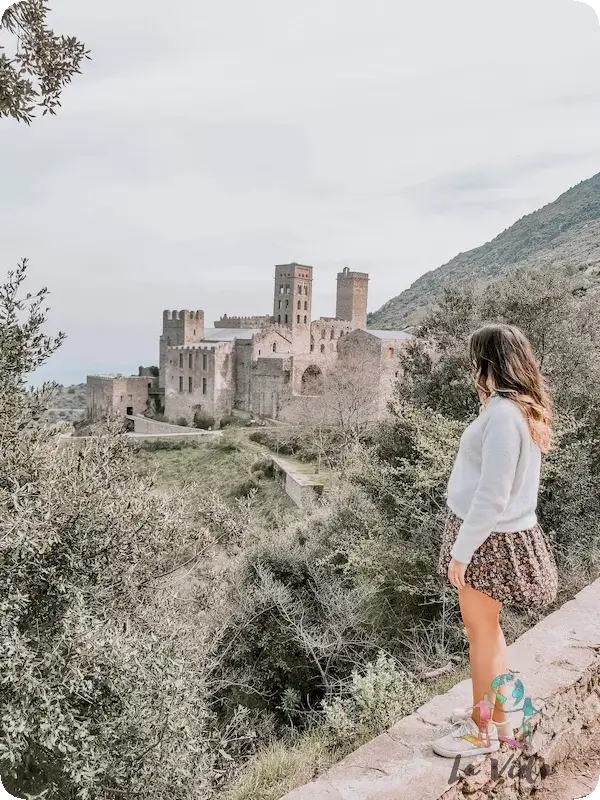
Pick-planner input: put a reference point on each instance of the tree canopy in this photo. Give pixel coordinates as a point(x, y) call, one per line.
point(38, 65)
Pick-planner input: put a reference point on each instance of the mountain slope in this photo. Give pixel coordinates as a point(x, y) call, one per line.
point(563, 235)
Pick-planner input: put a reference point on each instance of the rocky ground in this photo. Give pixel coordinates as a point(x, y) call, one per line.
point(579, 776)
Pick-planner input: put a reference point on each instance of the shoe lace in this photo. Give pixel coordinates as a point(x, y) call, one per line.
point(464, 728)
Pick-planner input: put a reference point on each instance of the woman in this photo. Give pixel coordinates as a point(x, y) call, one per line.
point(493, 550)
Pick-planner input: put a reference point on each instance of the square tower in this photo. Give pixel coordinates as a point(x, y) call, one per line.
point(292, 302)
point(351, 299)
point(180, 328)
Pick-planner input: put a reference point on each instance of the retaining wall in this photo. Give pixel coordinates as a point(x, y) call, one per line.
point(559, 663)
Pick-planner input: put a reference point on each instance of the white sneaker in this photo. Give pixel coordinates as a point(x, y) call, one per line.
point(466, 740)
point(505, 729)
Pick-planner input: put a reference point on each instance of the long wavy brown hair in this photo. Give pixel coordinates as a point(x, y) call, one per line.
point(504, 362)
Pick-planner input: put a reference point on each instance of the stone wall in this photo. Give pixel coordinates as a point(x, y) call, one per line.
point(199, 378)
point(352, 297)
point(243, 322)
point(303, 490)
point(270, 384)
point(110, 395)
point(143, 425)
point(559, 663)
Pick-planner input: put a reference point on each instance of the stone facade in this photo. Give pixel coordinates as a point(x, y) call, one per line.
point(352, 294)
point(179, 328)
point(258, 364)
point(115, 395)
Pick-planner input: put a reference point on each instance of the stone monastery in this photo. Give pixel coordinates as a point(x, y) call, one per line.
point(256, 365)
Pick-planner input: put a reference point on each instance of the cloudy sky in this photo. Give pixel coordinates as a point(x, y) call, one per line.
point(207, 142)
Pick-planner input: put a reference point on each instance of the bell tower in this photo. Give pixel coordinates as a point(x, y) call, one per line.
point(292, 302)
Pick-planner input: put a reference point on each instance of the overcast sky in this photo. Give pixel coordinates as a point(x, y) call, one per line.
point(207, 142)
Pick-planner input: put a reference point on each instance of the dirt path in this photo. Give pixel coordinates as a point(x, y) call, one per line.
point(578, 776)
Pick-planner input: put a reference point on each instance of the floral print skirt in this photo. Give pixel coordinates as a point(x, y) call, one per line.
point(516, 569)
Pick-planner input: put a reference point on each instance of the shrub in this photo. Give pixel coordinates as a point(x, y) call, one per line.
point(264, 467)
point(375, 698)
point(203, 420)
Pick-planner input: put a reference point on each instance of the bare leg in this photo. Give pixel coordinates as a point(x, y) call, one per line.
point(487, 647)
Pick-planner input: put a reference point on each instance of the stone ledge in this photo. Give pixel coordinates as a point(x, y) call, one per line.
point(559, 663)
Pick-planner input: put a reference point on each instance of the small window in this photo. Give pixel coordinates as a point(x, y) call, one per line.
point(306, 305)
point(274, 347)
point(322, 348)
point(149, 386)
point(180, 360)
point(286, 319)
point(312, 347)
point(204, 360)
point(203, 385)
point(181, 383)
point(390, 352)
point(190, 360)
point(190, 385)
point(130, 411)
point(299, 304)
point(279, 304)
point(306, 290)
point(194, 331)
point(298, 319)
point(287, 303)
point(323, 334)
point(281, 289)
point(305, 319)
point(287, 288)
point(279, 318)
point(332, 334)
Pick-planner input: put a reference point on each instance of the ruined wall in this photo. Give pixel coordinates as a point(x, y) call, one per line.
point(116, 395)
point(179, 328)
point(352, 297)
point(199, 378)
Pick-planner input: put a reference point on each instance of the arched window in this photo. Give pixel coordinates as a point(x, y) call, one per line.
point(306, 305)
point(323, 333)
point(274, 347)
point(305, 319)
point(298, 319)
point(332, 335)
point(299, 304)
point(322, 348)
point(279, 318)
point(390, 352)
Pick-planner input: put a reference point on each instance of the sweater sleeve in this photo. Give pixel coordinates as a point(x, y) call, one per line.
point(501, 449)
